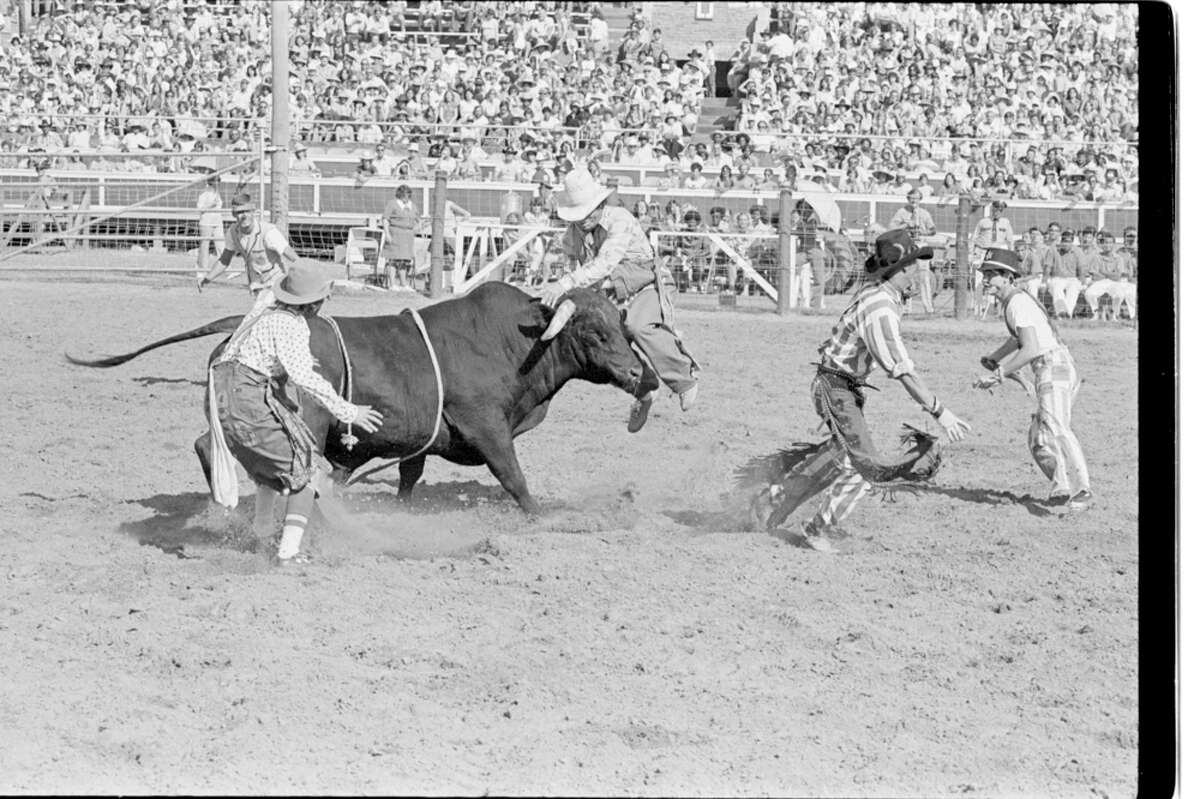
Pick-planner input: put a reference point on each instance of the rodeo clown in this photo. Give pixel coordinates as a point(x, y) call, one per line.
point(262, 245)
point(1033, 340)
point(259, 421)
point(614, 255)
point(847, 464)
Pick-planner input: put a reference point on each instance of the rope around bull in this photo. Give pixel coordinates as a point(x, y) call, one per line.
point(349, 439)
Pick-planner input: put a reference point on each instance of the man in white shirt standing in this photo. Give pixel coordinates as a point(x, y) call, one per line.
point(1034, 341)
point(919, 223)
point(212, 231)
point(993, 230)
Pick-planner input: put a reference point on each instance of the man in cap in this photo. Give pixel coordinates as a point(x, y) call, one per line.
point(1063, 271)
point(613, 254)
point(256, 424)
point(846, 464)
point(1034, 341)
point(993, 230)
point(262, 246)
point(510, 170)
point(919, 224)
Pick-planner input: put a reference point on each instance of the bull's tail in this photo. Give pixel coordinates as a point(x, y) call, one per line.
point(226, 325)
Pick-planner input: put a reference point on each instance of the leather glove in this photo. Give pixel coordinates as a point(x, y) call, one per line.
point(989, 363)
point(956, 429)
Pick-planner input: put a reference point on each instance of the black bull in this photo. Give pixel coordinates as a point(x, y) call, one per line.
point(498, 375)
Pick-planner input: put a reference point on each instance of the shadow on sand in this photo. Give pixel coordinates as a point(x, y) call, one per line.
point(991, 496)
point(181, 520)
point(738, 519)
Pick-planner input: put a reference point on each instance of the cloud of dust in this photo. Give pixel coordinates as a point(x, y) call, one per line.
point(397, 533)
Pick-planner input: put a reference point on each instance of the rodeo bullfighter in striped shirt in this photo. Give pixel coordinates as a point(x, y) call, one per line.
point(847, 463)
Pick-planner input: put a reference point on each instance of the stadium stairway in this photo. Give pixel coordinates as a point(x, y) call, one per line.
point(716, 113)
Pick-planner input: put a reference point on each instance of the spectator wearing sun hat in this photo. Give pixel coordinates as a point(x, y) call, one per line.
point(612, 253)
point(300, 164)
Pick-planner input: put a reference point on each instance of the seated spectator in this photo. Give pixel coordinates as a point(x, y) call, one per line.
point(510, 170)
point(724, 180)
point(365, 171)
point(696, 179)
point(718, 219)
point(744, 179)
point(673, 179)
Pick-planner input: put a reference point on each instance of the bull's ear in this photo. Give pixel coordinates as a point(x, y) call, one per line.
point(561, 315)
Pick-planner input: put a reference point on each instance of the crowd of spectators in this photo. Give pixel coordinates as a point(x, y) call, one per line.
point(1019, 100)
point(1041, 98)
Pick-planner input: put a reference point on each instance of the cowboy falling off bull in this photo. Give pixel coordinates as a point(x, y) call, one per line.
point(615, 257)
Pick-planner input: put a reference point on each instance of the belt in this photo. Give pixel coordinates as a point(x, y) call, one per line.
point(853, 380)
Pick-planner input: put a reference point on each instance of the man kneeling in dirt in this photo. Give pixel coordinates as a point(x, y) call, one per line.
point(847, 463)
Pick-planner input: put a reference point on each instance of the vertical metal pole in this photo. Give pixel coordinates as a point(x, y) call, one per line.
point(280, 110)
point(437, 261)
point(962, 259)
point(262, 159)
point(787, 264)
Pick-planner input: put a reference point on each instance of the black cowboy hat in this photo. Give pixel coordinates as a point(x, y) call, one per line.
point(894, 249)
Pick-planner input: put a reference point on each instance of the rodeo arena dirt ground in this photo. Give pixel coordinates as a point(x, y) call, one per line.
point(635, 639)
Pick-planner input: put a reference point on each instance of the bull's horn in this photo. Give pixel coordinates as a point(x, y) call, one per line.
point(561, 315)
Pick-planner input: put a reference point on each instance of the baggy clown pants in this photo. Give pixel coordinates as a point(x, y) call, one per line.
point(1054, 447)
point(263, 428)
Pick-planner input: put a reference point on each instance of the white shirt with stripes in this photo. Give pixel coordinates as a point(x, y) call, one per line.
point(868, 334)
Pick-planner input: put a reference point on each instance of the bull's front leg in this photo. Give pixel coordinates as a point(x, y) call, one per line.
point(410, 473)
point(501, 458)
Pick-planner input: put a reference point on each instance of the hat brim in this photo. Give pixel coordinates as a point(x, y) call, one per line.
point(574, 213)
point(996, 266)
point(873, 267)
point(288, 298)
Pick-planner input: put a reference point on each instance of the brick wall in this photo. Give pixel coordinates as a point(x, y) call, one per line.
point(682, 31)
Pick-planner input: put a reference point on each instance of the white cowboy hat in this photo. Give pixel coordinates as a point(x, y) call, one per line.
point(304, 283)
point(580, 196)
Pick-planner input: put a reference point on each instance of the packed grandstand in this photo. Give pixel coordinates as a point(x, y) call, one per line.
point(859, 101)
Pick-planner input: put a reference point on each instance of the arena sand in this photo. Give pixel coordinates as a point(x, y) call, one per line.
point(632, 640)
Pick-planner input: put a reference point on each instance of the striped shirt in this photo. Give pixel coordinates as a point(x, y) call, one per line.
point(868, 333)
point(274, 342)
point(616, 238)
